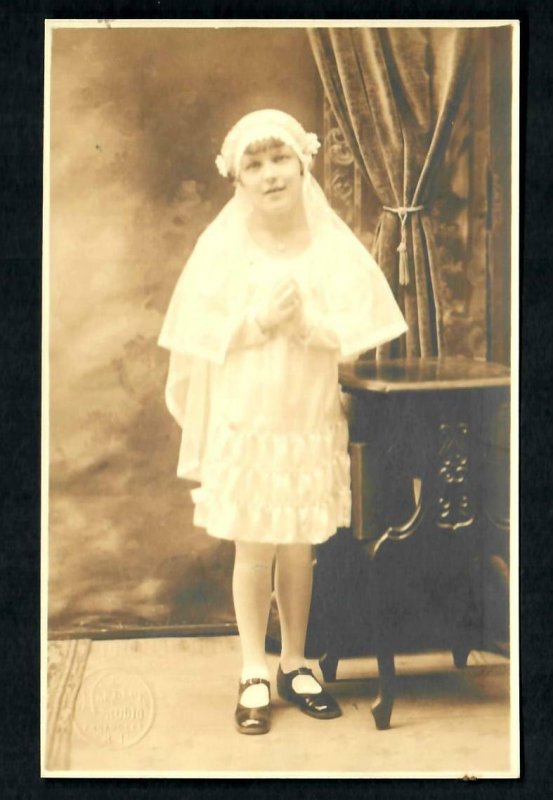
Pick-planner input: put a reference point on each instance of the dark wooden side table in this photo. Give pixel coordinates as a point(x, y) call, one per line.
point(429, 445)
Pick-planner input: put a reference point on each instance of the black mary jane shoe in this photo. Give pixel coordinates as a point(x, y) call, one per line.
point(320, 705)
point(254, 720)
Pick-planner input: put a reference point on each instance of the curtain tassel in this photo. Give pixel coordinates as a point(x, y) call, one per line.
point(403, 212)
point(403, 268)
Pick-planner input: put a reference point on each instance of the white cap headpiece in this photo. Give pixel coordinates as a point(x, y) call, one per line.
point(258, 126)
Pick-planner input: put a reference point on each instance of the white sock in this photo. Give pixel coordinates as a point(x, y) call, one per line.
point(252, 586)
point(293, 581)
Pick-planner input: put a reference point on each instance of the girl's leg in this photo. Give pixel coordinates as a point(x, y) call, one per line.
point(251, 586)
point(293, 583)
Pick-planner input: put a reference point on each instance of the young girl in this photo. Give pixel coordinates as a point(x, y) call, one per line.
point(276, 293)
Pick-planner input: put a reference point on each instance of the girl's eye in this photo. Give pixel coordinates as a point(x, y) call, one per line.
point(253, 164)
point(280, 157)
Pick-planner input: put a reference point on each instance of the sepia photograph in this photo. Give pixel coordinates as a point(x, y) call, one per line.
point(279, 399)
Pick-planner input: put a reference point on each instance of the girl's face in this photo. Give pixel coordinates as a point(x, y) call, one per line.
point(271, 177)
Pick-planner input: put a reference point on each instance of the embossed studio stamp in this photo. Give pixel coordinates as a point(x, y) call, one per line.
point(115, 708)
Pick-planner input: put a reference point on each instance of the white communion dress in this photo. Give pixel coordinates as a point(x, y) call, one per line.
point(276, 467)
point(263, 427)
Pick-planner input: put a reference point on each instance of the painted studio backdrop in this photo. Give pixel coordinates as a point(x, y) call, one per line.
point(137, 119)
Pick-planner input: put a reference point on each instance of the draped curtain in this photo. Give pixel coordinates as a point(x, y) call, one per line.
point(395, 94)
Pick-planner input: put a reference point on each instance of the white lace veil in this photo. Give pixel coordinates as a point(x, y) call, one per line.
point(211, 291)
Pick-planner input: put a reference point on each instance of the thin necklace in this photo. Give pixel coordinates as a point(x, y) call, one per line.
point(280, 245)
point(266, 239)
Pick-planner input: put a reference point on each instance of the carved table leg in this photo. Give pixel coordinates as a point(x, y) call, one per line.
point(462, 603)
point(329, 666)
point(460, 655)
point(384, 703)
point(379, 606)
point(457, 512)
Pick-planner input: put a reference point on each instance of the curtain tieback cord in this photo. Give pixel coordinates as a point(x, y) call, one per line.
point(403, 212)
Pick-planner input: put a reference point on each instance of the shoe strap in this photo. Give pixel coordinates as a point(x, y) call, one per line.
point(252, 682)
point(301, 671)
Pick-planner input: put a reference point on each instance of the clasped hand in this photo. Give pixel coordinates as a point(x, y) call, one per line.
point(282, 306)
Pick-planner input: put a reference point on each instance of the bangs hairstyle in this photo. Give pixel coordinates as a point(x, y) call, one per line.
point(262, 146)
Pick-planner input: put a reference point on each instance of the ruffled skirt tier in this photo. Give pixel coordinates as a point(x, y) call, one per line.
point(280, 488)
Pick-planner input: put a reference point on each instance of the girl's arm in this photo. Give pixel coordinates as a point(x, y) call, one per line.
point(358, 313)
point(268, 316)
point(249, 333)
point(314, 331)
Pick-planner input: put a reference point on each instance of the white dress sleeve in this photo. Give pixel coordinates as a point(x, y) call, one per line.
point(359, 311)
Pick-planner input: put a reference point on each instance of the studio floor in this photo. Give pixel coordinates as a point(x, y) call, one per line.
point(148, 707)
